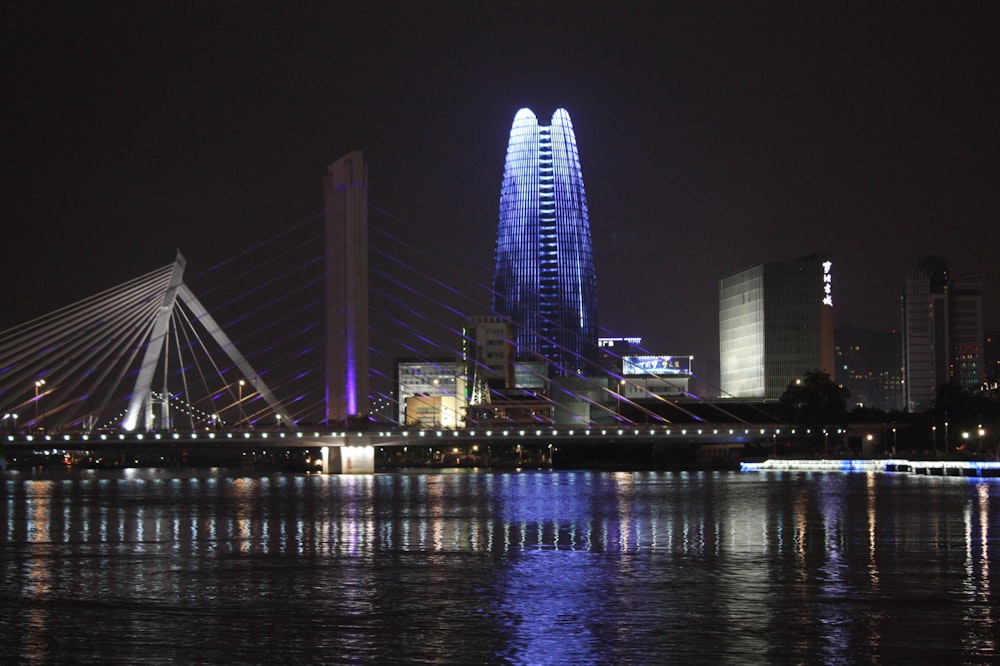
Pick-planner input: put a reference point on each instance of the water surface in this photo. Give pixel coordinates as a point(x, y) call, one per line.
point(563, 567)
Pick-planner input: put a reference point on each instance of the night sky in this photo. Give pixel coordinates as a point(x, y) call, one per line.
point(712, 136)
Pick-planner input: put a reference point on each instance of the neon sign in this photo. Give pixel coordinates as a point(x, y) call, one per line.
point(827, 283)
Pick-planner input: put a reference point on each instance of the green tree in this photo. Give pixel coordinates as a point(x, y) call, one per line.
point(815, 400)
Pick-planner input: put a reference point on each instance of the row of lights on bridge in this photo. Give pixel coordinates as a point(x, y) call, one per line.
point(423, 433)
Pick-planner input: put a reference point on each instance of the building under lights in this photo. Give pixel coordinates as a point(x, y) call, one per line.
point(488, 352)
point(775, 325)
point(501, 389)
point(544, 279)
point(641, 376)
point(431, 393)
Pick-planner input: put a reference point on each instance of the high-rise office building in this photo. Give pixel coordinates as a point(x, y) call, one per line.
point(544, 279)
point(943, 333)
point(966, 364)
point(924, 321)
point(775, 325)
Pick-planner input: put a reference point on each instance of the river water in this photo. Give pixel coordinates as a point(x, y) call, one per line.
point(528, 567)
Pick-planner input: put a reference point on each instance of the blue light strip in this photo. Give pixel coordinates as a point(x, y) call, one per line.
point(960, 468)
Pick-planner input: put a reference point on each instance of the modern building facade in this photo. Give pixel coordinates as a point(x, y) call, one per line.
point(943, 337)
point(431, 393)
point(502, 388)
point(925, 330)
point(544, 279)
point(966, 337)
point(775, 325)
point(642, 376)
point(488, 351)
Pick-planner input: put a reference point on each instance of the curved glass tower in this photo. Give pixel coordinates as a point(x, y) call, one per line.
point(544, 279)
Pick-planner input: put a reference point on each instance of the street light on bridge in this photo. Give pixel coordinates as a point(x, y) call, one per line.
point(240, 403)
point(38, 385)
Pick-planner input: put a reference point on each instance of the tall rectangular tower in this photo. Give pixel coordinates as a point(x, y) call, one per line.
point(345, 195)
point(921, 310)
point(775, 324)
point(966, 335)
point(741, 333)
point(927, 331)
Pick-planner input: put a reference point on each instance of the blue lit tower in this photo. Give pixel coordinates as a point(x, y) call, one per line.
point(544, 279)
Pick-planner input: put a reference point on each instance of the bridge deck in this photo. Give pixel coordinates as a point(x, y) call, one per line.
point(744, 433)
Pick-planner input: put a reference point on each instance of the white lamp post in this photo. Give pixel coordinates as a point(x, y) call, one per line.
point(242, 383)
point(38, 385)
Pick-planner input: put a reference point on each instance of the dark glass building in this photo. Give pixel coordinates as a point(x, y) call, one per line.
point(870, 367)
point(943, 337)
point(544, 279)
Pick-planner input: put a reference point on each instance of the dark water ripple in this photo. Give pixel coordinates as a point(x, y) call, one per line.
point(517, 568)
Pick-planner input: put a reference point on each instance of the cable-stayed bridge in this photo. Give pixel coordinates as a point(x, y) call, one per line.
point(244, 347)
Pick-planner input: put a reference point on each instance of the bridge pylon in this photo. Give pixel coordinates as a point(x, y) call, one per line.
point(141, 401)
point(345, 195)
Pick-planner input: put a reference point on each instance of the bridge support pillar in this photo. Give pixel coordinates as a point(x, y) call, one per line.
point(348, 459)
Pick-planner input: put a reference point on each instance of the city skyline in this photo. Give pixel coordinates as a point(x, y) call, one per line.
point(717, 137)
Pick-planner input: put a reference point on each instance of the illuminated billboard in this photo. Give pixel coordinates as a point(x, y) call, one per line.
point(827, 283)
point(656, 365)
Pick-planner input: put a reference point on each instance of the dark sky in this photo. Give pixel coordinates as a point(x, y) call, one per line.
point(713, 136)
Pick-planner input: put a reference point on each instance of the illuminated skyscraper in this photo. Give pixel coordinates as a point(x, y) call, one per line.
point(544, 279)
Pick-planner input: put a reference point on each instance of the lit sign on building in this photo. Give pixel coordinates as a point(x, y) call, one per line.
point(827, 283)
point(611, 342)
point(656, 365)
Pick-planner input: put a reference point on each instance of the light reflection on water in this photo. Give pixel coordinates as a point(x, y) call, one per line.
point(529, 567)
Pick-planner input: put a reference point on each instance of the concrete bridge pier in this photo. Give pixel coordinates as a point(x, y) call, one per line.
point(356, 458)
